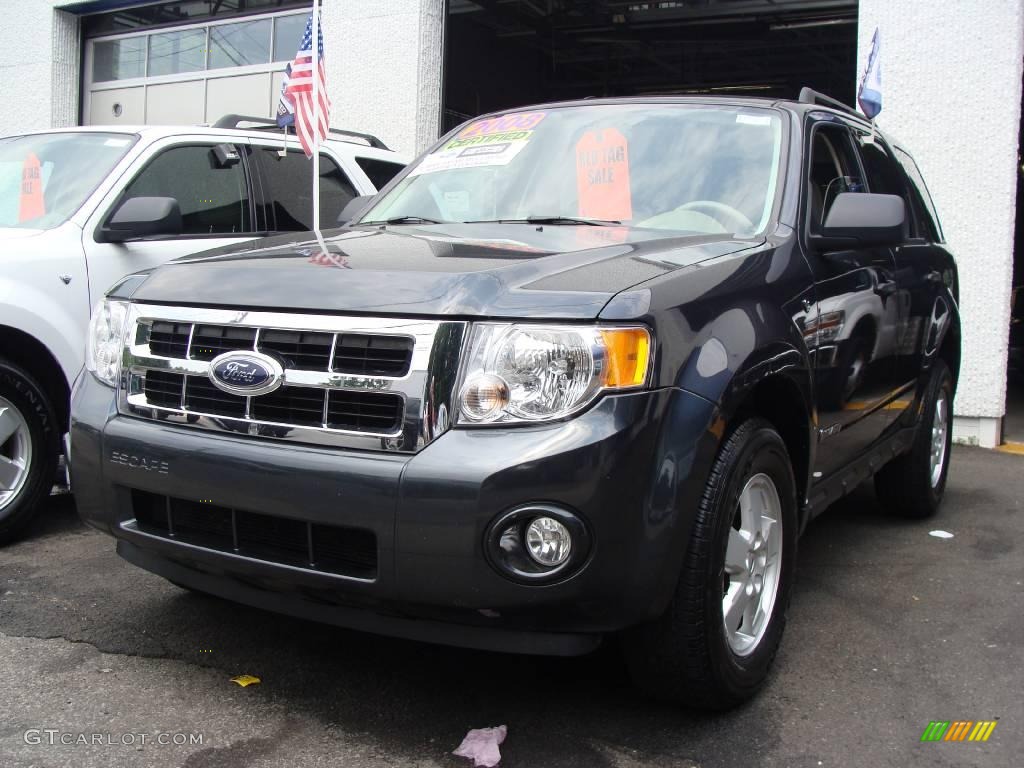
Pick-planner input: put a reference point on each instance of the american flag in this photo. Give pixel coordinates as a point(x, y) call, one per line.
point(297, 94)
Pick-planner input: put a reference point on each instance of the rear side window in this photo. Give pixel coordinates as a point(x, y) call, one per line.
point(288, 190)
point(380, 172)
point(922, 198)
point(214, 200)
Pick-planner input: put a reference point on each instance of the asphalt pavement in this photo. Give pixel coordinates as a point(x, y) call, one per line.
point(889, 628)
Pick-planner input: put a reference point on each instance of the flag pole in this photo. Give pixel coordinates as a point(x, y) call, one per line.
point(316, 116)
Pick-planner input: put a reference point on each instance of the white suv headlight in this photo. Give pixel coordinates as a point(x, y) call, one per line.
point(103, 344)
point(530, 373)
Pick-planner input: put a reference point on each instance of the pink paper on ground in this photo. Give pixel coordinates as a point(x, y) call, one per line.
point(481, 746)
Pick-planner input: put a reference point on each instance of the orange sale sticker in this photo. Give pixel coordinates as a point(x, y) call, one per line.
point(602, 176)
point(31, 204)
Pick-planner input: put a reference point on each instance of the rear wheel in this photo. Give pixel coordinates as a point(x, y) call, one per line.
point(29, 445)
point(912, 485)
point(717, 640)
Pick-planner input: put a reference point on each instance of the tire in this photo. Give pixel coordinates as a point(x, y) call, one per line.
point(912, 484)
point(688, 656)
point(29, 448)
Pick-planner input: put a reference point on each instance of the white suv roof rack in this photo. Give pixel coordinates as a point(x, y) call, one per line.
point(264, 124)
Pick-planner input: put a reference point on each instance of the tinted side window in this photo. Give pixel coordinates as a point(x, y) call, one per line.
point(213, 200)
point(834, 169)
point(885, 177)
point(919, 190)
point(288, 187)
point(379, 171)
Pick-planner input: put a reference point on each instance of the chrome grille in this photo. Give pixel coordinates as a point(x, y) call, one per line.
point(361, 411)
point(164, 389)
point(305, 406)
point(201, 396)
point(208, 341)
point(169, 339)
point(357, 353)
point(371, 355)
point(350, 381)
point(303, 350)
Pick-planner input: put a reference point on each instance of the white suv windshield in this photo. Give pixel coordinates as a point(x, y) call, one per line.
point(683, 168)
point(45, 178)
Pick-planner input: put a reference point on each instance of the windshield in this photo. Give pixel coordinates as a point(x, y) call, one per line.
point(682, 168)
point(45, 177)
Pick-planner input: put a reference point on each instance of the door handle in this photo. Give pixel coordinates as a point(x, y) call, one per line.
point(933, 277)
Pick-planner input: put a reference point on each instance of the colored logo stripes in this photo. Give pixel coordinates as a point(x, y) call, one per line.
point(958, 730)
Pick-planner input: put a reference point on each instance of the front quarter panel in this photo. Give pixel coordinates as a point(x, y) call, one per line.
point(723, 325)
point(44, 293)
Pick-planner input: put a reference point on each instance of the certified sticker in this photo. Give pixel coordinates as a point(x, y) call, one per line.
point(491, 142)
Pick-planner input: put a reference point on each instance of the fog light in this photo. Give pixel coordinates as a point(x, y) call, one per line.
point(548, 541)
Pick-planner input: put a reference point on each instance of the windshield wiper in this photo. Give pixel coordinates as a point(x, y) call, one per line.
point(553, 220)
point(403, 220)
point(571, 220)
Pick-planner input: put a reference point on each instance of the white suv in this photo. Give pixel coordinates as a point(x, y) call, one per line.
point(80, 208)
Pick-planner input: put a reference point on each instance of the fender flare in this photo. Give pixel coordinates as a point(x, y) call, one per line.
point(742, 347)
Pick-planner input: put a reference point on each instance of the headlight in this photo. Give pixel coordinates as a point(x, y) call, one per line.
point(529, 373)
point(103, 346)
point(826, 328)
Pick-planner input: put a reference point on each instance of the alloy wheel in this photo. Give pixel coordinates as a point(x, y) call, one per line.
point(753, 558)
point(15, 452)
point(940, 426)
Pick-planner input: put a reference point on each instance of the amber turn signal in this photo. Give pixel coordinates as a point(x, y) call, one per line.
point(628, 352)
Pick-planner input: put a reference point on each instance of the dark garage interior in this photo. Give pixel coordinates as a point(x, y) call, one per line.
point(1013, 423)
point(507, 53)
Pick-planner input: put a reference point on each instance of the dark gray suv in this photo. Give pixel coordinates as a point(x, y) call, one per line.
point(583, 369)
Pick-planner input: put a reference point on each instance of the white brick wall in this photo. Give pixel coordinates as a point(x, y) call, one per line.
point(951, 90)
point(39, 56)
point(384, 68)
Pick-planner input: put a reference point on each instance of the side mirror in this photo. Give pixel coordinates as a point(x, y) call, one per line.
point(142, 217)
point(354, 208)
point(863, 220)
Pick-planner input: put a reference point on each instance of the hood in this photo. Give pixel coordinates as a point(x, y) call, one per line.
point(17, 233)
point(480, 270)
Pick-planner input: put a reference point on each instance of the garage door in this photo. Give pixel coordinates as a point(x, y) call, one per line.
point(190, 74)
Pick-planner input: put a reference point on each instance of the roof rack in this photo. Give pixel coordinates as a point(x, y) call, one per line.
point(264, 123)
point(810, 96)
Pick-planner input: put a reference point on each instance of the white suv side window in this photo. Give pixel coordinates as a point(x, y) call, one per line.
point(214, 198)
point(288, 189)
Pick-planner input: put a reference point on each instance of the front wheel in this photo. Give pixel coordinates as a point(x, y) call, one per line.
point(715, 643)
point(28, 449)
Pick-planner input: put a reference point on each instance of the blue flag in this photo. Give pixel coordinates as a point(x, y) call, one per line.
point(870, 95)
point(285, 106)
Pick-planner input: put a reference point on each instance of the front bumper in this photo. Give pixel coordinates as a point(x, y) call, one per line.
point(632, 467)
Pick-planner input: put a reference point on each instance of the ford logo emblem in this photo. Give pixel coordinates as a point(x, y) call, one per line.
point(246, 373)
